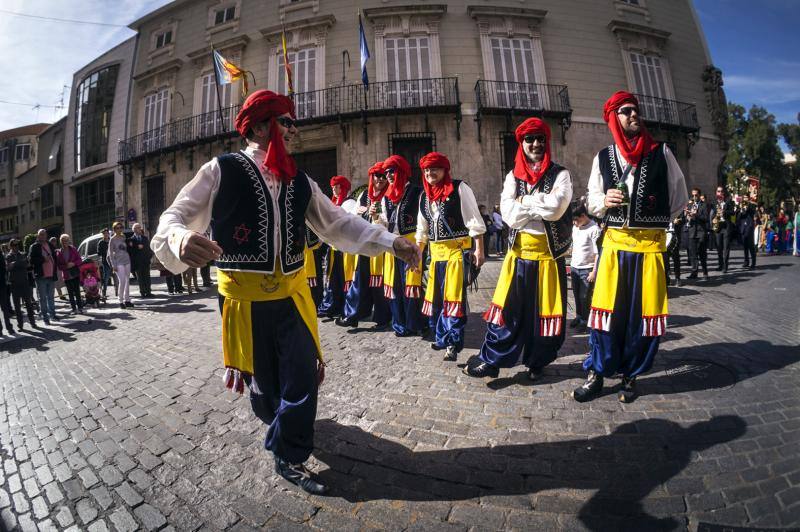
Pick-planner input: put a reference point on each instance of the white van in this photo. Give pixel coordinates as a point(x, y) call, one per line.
point(88, 248)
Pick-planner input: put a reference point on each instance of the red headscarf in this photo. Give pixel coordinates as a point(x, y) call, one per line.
point(259, 107)
point(345, 184)
point(402, 171)
point(373, 194)
point(522, 167)
point(632, 149)
point(443, 188)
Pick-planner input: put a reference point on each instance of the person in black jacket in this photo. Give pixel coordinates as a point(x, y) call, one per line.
point(5, 305)
point(724, 211)
point(140, 254)
point(106, 271)
point(695, 217)
point(17, 266)
point(747, 224)
point(42, 257)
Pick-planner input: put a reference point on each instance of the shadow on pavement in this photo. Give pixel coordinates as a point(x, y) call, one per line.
point(624, 467)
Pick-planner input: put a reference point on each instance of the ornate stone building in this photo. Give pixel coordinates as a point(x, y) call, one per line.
point(456, 77)
point(19, 148)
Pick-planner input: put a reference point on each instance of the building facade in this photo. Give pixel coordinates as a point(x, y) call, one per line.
point(93, 194)
point(19, 148)
point(455, 77)
point(40, 198)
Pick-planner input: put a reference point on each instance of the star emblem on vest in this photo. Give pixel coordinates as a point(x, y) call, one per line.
point(241, 234)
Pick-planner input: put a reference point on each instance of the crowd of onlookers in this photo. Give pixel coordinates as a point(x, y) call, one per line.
point(30, 278)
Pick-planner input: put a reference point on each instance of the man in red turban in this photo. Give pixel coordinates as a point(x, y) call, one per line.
point(340, 186)
point(365, 294)
point(450, 221)
point(637, 188)
point(525, 321)
point(402, 283)
point(259, 207)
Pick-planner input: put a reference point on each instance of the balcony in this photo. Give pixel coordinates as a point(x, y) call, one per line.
point(330, 105)
point(668, 114)
point(511, 98)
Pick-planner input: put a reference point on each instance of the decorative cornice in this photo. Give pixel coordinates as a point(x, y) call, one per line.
point(621, 26)
point(325, 21)
point(239, 41)
point(479, 12)
point(173, 64)
point(406, 10)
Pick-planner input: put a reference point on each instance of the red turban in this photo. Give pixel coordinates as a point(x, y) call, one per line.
point(632, 149)
point(402, 171)
point(345, 184)
point(259, 107)
point(522, 167)
point(443, 188)
point(373, 194)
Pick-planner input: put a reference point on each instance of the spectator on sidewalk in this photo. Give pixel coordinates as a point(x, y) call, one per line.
point(5, 304)
point(582, 265)
point(106, 275)
point(140, 256)
point(499, 231)
point(42, 256)
point(120, 262)
point(59, 284)
point(18, 266)
point(490, 228)
point(189, 278)
point(69, 261)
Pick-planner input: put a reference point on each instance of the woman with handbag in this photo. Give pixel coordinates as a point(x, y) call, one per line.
point(69, 260)
point(120, 262)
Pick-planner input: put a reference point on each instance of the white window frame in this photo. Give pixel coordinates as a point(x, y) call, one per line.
point(224, 11)
point(206, 103)
point(26, 152)
point(155, 117)
point(165, 48)
point(304, 68)
point(516, 83)
point(223, 6)
point(404, 89)
point(162, 36)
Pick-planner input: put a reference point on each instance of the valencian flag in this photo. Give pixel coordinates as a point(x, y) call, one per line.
point(364, 52)
point(227, 72)
point(287, 66)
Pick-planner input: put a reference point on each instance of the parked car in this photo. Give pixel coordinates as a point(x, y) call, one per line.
point(88, 248)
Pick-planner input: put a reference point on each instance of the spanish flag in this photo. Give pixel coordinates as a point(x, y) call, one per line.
point(227, 72)
point(287, 65)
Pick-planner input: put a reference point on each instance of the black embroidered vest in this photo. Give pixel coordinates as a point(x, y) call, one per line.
point(559, 232)
point(243, 218)
point(312, 239)
point(451, 221)
point(404, 214)
point(649, 203)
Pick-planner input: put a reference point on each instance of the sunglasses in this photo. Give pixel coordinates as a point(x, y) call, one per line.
point(379, 176)
point(627, 111)
point(286, 122)
point(530, 139)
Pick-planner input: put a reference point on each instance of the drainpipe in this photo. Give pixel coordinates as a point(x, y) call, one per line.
point(127, 125)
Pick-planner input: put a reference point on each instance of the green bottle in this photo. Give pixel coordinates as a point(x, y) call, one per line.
point(622, 187)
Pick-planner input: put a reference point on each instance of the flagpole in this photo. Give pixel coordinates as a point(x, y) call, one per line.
point(219, 98)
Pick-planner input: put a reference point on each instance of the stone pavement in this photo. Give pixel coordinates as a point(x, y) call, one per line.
point(118, 421)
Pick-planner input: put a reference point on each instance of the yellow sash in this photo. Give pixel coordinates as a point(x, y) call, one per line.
point(413, 286)
point(651, 243)
point(310, 267)
point(240, 290)
point(531, 247)
point(349, 266)
point(376, 271)
point(452, 252)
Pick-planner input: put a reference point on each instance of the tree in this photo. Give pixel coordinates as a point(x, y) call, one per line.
point(791, 136)
point(754, 151)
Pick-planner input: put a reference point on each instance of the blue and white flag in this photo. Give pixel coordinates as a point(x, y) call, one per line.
point(364, 52)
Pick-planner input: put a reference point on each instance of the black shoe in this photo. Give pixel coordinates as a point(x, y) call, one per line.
point(692, 275)
point(450, 355)
point(752, 267)
point(298, 475)
point(346, 322)
point(171, 291)
point(122, 306)
point(574, 323)
point(628, 391)
point(405, 334)
point(436, 347)
point(129, 304)
point(379, 327)
point(590, 389)
point(705, 277)
point(481, 370)
point(534, 374)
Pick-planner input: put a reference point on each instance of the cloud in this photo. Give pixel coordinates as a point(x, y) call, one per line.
point(763, 89)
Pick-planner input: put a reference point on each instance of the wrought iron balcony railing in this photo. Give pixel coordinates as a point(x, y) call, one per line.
point(333, 104)
point(669, 114)
point(495, 97)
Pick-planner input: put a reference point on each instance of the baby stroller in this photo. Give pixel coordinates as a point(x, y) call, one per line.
point(90, 280)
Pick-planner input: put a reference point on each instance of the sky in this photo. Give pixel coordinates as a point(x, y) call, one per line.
point(755, 43)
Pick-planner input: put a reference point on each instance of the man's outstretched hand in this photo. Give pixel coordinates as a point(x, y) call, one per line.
point(197, 250)
point(407, 251)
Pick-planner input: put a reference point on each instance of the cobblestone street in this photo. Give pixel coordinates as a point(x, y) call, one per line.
point(118, 420)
